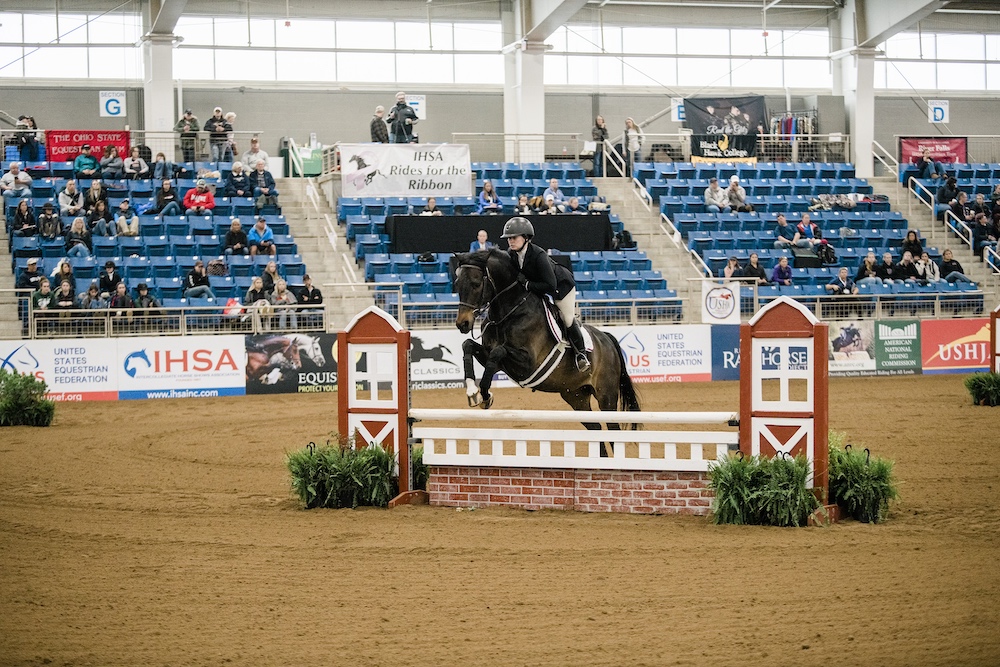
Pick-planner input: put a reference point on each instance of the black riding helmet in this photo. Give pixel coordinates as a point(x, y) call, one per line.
point(518, 226)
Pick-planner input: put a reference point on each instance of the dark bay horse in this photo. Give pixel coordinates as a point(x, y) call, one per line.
point(516, 339)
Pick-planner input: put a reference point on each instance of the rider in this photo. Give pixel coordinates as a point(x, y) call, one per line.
point(538, 276)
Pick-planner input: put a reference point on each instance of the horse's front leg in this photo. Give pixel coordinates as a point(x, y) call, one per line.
point(473, 350)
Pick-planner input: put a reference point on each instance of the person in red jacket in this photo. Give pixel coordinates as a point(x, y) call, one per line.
point(199, 200)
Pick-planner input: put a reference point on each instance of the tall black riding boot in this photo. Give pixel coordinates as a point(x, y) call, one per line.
point(575, 335)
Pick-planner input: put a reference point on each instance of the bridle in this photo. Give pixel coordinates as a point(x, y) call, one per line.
point(480, 308)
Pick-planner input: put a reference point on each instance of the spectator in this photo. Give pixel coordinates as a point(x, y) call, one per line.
point(15, 184)
point(196, 284)
point(163, 168)
point(199, 200)
point(112, 165)
point(65, 297)
point(270, 276)
point(522, 207)
point(807, 233)
point(753, 269)
point(842, 283)
point(887, 270)
point(557, 195)
point(960, 209)
point(187, 127)
point(121, 299)
point(134, 166)
point(737, 196)
point(489, 202)
point(574, 206)
point(927, 271)
point(952, 270)
point(913, 244)
point(633, 145)
point(906, 270)
point(49, 223)
point(236, 242)
point(379, 131)
point(261, 239)
point(782, 273)
point(927, 167)
point(95, 193)
point(147, 302)
point(100, 221)
point(284, 299)
point(78, 240)
point(26, 138)
point(30, 277)
point(946, 195)
point(785, 234)
point(230, 152)
point(110, 279)
point(71, 200)
point(868, 271)
point(254, 155)
point(599, 133)
point(548, 206)
point(264, 190)
point(218, 130)
point(64, 273)
point(43, 298)
point(310, 296)
point(24, 223)
point(980, 205)
point(431, 208)
point(401, 120)
point(982, 236)
point(716, 200)
point(256, 291)
point(995, 203)
point(732, 268)
point(166, 200)
point(238, 183)
point(127, 219)
point(481, 242)
point(91, 299)
point(86, 165)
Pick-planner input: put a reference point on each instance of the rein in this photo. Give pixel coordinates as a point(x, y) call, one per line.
point(480, 308)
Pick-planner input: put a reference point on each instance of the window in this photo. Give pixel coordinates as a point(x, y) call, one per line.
point(56, 62)
point(992, 76)
point(805, 43)
point(113, 28)
point(703, 72)
point(961, 47)
point(485, 68)
point(418, 36)
point(196, 31)
point(365, 35)
point(649, 40)
point(231, 32)
point(194, 64)
point(807, 74)
point(477, 37)
point(555, 70)
point(961, 76)
point(910, 45)
point(371, 67)
point(752, 42)
point(244, 64)
point(11, 65)
point(306, 65)
point(10, 28)
point(425, 68)
point(649, 71)
point(699, 41)
point(919, 76)
point(757, 73)
point(115, 62)
point(583, 39)
point(305, 34)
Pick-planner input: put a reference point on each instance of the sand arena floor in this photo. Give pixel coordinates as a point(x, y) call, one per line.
point(163, 533)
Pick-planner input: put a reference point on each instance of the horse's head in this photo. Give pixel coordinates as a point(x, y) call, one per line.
point(479, 278)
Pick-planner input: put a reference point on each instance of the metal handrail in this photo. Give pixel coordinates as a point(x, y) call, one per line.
point(958, 227)
point(887, 165)
point(912, 187)
point(992, 259)
point(298, 168)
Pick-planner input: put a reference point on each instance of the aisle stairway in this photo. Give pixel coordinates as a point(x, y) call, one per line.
point(10, 325)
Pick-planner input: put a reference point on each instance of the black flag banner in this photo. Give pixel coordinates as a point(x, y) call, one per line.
point(723, 148)
point(734, 116)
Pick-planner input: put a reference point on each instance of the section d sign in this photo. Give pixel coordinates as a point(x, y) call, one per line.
point(112, 103)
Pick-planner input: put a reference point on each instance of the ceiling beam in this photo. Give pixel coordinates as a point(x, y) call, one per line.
point(163, 15)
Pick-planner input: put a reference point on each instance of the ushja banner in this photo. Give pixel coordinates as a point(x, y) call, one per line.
point(405, 170)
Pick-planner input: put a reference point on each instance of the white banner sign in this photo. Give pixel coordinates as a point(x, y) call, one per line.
point(937, 111)
point(720, 303)
point(112, 103)
point(405, 170)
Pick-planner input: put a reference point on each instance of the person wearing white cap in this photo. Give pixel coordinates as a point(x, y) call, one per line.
point(219, 129)
point(30, 277)
point(401, 119)
point(738, 196)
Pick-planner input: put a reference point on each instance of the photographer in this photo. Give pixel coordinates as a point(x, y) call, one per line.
point(401, 120)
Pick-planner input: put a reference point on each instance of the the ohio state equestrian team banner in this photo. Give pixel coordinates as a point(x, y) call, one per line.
point(725, 115)
point(405, 170)
point(64, 145)
point(942, 149)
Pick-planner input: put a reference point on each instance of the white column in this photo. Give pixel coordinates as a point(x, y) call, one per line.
point(529, 104)
point(860, 100)
point(158, 87)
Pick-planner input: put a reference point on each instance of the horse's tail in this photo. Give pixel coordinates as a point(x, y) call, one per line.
point(628, 399)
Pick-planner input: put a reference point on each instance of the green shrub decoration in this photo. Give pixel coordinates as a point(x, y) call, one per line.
point(23, 402)
point(338, 475)
point(419, 471)
point(761, 491)
point(984, 388)
point(860, 485)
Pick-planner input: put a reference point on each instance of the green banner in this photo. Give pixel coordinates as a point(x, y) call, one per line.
point(897, 347)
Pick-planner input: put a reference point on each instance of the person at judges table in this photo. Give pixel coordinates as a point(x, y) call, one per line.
point(481, 242)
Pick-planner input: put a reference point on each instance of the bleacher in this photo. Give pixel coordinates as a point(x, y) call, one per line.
point(971, 177)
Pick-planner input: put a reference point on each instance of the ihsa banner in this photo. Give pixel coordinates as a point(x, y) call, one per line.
point(405, 170)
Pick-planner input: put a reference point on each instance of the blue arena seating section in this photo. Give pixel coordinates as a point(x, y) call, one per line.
point(970, 174)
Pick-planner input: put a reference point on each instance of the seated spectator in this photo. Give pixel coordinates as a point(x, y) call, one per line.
point(163, 168)
point(112, 165)
point(199, 200)
point(71, 200)
point(270, 276)
point(134, 166)
point(980, 205)
point(995, 203)
point(100, 221)
point(65, 297)
point(236, 242)
point(15, 184)
point(489, 202)
point(574, 206)
point(868, 271)
point(254, 155)
point(906, 270)
point(110, 279)
point(238, 183)
point(912, 244)
point(167, 201)
point(126, 219)
point(782, 273)
point(546, 206)
point(481, 242)
point(927, 271)
point(842, 283)
point(947, 194)
point(64, 273)
point(256, 291)
point(522, 207)
point(952, 270)
point(30, 277)
point(95, 193)
point(50, 224)
point(887, 270)
point(86, 165)
point(264, 190)
point(786, 236)
point(196, 284)
point(43, 298)
point(147, 302)
point(432, 207)
point(283, 297)
point(753, 269)
point(927, 167)
point(982, 236)
point(732, 268)
point(557, 195)
point(78, 241)
point(738, 196)
point(716, 199)
point(121, 299)
point(91, 299)
point(261, 239)
point(807, 233)
point(960, 209)
point(24, 223)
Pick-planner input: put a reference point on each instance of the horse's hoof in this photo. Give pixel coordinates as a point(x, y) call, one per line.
point(488, 403)
point(475, 399)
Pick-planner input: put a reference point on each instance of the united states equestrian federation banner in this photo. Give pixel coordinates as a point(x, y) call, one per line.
point(405, 170)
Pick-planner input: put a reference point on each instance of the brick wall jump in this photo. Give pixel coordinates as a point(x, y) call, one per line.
point(582, 490)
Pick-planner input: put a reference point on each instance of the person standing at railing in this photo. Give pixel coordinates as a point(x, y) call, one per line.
point(27, 138)
point(928, 168)
point(402, 118)
point(310, 296)
point(633, 145)
point(599, 133)
point(187, 127)
point(379, 131)
point(982, 236)
point(946, 195)
point(229, 154)
point(218, 130)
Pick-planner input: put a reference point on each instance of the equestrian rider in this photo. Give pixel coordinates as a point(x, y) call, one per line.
point(539, 274)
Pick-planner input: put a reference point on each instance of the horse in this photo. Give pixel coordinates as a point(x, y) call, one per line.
point(516, 339)
point(418, 352)
point(309, 347)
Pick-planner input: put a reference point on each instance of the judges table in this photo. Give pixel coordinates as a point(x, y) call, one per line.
point(454, 233)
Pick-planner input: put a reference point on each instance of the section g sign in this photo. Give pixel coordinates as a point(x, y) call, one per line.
point(112, 103)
